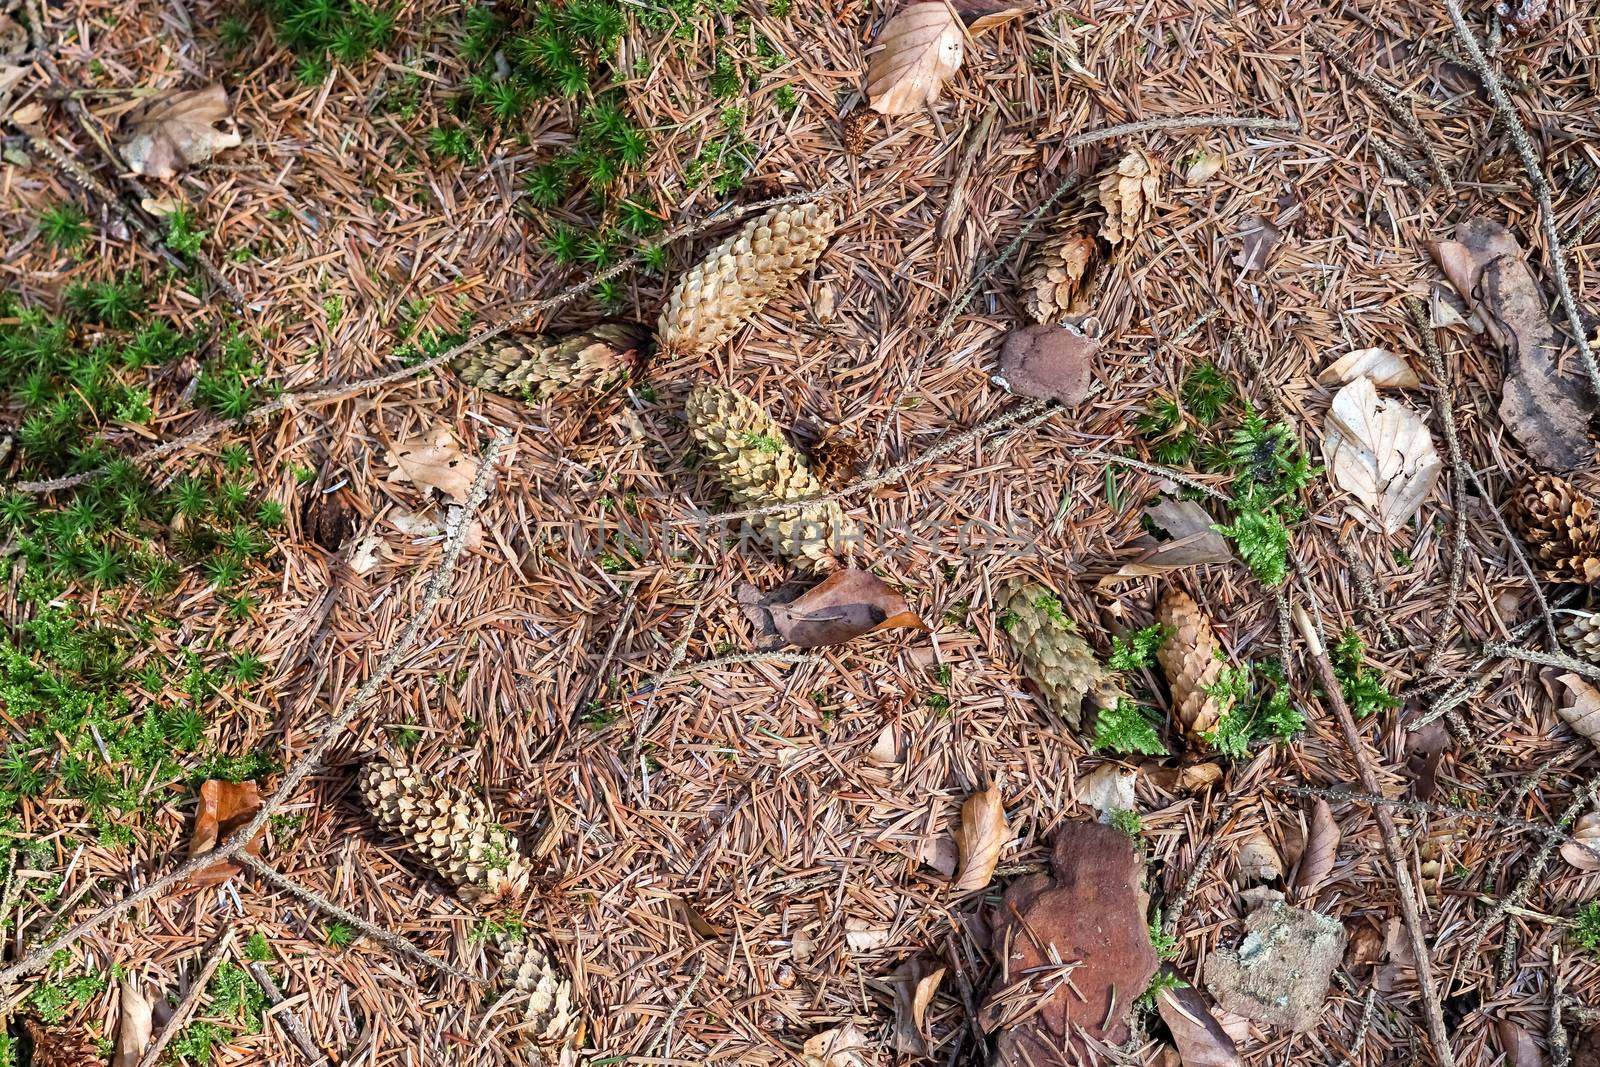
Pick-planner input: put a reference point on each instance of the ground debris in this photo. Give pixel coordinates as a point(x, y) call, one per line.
point(1279, 974)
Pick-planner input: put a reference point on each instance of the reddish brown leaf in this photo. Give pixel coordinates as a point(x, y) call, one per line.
point(1200, 1038)
point(915, 983)
point(982, 834)
point(979, 16)
point(1322, 848)
point(850, 603)
point(1048, 362)
point(1520, 1047)
point(224, 808)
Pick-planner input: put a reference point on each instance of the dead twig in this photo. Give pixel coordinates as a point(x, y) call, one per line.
point(455, 540)
point(1544, 659)
point(1333, 697)
point(1202, 864)
point(286, 1018)
point(1522, 560)
point(197, 989)
point(1392, 102)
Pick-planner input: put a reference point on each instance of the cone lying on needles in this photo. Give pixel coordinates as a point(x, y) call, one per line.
point(540, 367)
point(1582, 636)
point(451, 831)
point(1060, 274)
point(1127, 191)
point(1056, 659)
point(1561, 526)
point(758, 466)
point(1191, 660)
point(739, 276)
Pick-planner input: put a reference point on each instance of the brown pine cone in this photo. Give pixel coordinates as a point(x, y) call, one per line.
point(62, 1046)
point(1058, 661)
point(1560, 525)
point(1127, 191)
point(750, 456)
point(1058, 277)
point(855, 131)
point(449, 829)
point(1582, 636)
point(525, 967)
point(837, 459)
point(1191, 659)
point(739, 276)
point(537, 367)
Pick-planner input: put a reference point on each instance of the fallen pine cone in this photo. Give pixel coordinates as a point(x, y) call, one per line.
point(739, 276)
point(758, 466)
point(1059, 275)
point(1561, 527)
point(1582, 636)
point(1056, 659)
point(538, 367)
point(837, 459)
point(1127, 191)
point(1190, 658)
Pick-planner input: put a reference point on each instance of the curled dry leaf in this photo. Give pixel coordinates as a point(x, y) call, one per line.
point(1201, 1040)
point(1322, 848)
point(1546, 401)
point(224, 808)
point(980, 16)
point(862, 936)
point(174, 131)
point(1582, 711)
point(982, 834)
point(1048, 362)
point(1381, 453)
point(843, 1046)
point(1107, 789)
point(1259, 860)
point(1204, 166)
point(850, 603)
point(1387, 370)
point(134, 1024)
point(1583, 851)
point(915, 983)
point(434, 460)
point(1192, 541)
point(917, 51)
point(1260, 238)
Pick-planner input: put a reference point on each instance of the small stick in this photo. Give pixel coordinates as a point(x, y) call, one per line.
point(677, 1009)
point(1202, 864)
point(1522, 560)
point(1546, 659)
point(1556, 250)
point(190, 999)
point(1368, 1010)
point(1560, 1051)
point(1392, 103)
point(459, 523)
point(326, 393)
point(955, 206)
point(1333, 697)
point(1400, 165)
point(396, 944)
point(292, 1026)
point(597, 677)
point(736, 658)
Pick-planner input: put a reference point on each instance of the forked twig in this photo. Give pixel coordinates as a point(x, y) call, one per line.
point(197, 989)
point(286, 1018)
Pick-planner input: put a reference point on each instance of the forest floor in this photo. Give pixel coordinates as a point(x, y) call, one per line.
point(731, 848)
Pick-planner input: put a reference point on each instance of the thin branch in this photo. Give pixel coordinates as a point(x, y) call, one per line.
point(286, 1018)
point(1545, 659)
point(1522, 560)
point(1202, 864)
point(1333, 697)
point(393, 942)
point(519, 317)
point(459, 523)
point(1541, 186)
point(197, 989)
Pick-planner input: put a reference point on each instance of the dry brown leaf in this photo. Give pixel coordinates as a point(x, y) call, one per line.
point(176, 130)
point(134, 1024)
point(1200, 1038)
point(224, 808)
point(843, 1046)
point(1582, 712)
point(1204, 166)
point(1260, 238)
point(433, 459)
point(1521, 1048)
point(1107, 789)
point(980, 16)
point(850, 603)
point(1048, 362)
point(1192, 541)
point(917, 51)
point(1322, 849)
point(982, 834)
point(28, 114)
point(1259, 860)
point(1583, 852)
point(915, 983)
point(890, 748)
point(1381, 453)
point(1387, 370)
point(862, 936)
point(1546, 401)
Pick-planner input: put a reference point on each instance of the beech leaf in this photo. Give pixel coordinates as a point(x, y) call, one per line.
point(1583, 851)
point(849, 603)
point(1387, 370)
point(917, 51)
point(224, 808)
point(433, 460)
point(843, 1046)
point(1259, 860)
point(1260, 237)
point(915, 983)
point(1582, 712)
point(176, 130)
point(1107, 789)
point(1322, 848)
point(1381, 453)
point(1192, 540)
point(1201, 1040)
point(981, 836)
point(980, 16)
point(1546, 402)
point(134, 1024)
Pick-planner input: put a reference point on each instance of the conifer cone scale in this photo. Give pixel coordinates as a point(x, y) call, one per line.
point(1127, 190)
point(540, 366)
point(1059, 275)
point(1059, 662)
point(1561, 525)
point(749, 454)
point(1582, 636)
point(739, 276)
point(1191, 659)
